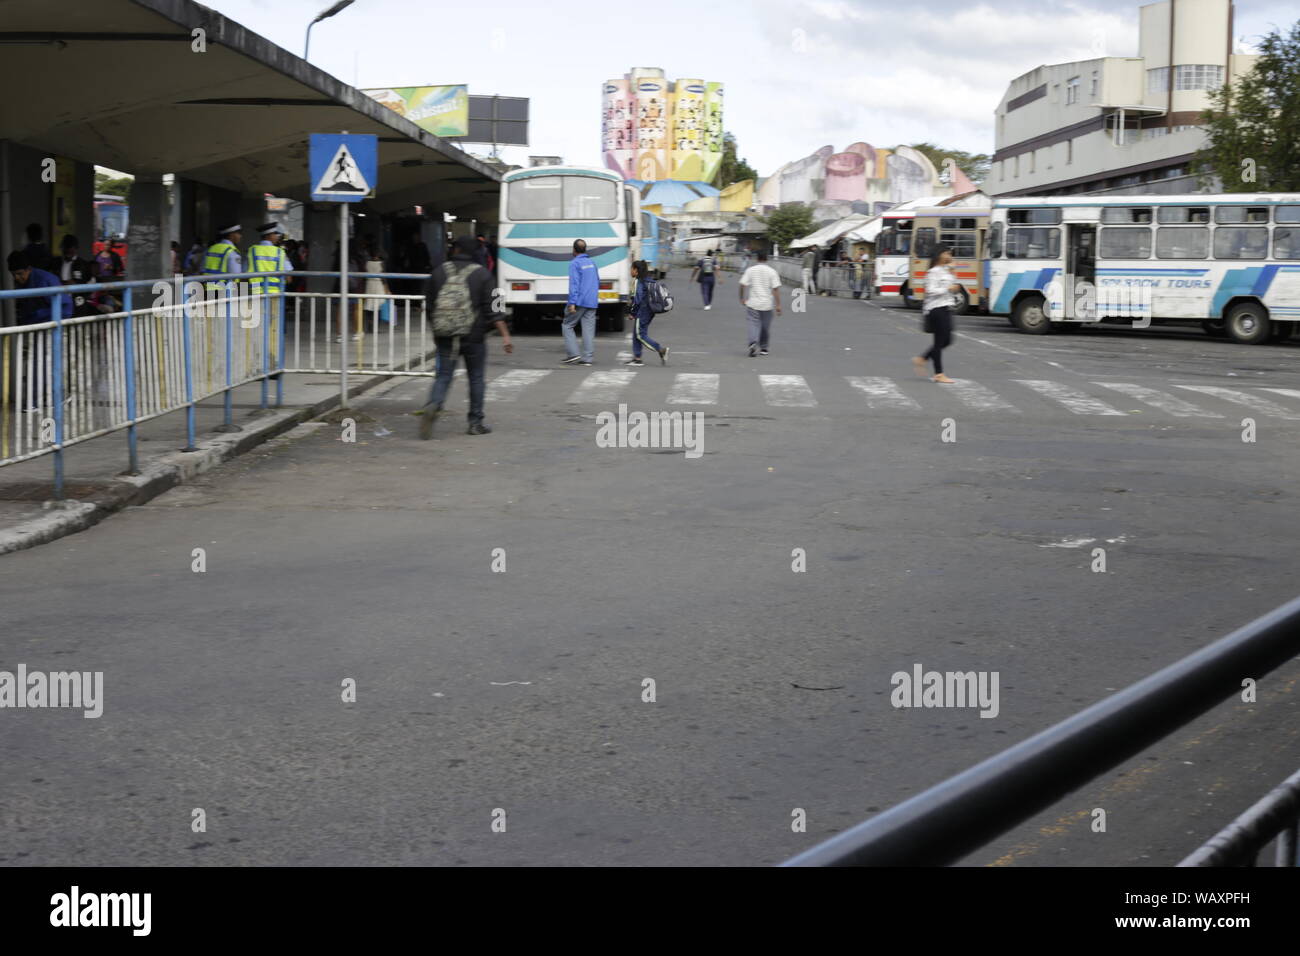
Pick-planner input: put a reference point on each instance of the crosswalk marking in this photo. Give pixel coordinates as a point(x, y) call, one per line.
point(506, 388)
point(1256, 402)
point(790, 391)
point(1161, 400)
point(1081, 403)
point(977, 396)
point(695, 388)
point(601, 387)
point(881, 392)
point(1288, 392)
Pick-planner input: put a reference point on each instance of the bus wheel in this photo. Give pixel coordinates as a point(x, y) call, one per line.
point(1247, 323)
point(1215, 327)
point(906, 292)
point(963, 303)
point(1030, 316)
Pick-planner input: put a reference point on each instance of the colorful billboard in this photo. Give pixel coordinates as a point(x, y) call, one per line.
point(440, 110)
point(654, 129)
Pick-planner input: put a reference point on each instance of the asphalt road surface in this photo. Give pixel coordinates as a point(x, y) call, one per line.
point(518, 697)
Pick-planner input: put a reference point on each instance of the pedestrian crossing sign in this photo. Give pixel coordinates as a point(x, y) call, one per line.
point(344, 167)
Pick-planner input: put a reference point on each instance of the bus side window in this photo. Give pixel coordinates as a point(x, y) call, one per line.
point(995, 241)
point(924, 242)
point(1240, 242)
point(1286, 242)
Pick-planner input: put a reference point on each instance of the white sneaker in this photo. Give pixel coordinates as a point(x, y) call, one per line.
point(707, 307)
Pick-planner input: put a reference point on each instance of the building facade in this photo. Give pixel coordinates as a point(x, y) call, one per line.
point(1121, 124)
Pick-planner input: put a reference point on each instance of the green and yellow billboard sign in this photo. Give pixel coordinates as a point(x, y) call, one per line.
point(440, 110)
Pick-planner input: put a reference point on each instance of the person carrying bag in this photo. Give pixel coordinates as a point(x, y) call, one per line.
point(941, 287)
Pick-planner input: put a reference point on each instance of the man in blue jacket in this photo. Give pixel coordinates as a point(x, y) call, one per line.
point(584, 294)
point(37, 308)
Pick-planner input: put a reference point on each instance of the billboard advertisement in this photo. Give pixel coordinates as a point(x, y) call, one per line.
point(651, 128)
point(440, 110)
point(616, 127)
point(688, 130)
point(712, 130)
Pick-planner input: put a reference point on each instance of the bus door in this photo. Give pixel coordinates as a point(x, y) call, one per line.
point(1081, 264)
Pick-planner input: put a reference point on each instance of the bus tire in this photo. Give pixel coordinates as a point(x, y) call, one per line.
point(905, 290)
point(1247, 323)
point(1215, 327)
point(963, 303)
point(1029, 316)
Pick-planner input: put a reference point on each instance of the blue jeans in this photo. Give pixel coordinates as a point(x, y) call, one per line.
point(642, 336)
point(475, 355)
point(588, 319)
point(706, 289)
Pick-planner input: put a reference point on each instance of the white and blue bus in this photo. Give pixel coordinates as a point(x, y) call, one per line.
point(543, 210)
point(1230, 262)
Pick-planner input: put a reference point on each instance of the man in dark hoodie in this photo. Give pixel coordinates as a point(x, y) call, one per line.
point(460, 277)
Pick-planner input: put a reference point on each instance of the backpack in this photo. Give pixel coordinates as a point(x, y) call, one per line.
point(706, 266)
point(453, 314)
point(658, 297)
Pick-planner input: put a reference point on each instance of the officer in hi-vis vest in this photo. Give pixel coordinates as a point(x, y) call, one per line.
point(223, 257)
point(268, 255)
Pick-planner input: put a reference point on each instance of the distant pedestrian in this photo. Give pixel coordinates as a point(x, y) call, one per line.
point(377, 290)
point(706, 274)
point(809, 266)
point(941, 287)
point(74, 270)
point(858, 274)
point(760, 294)
point(642, 316)
point(36, 309)
point(584, 296)
point(108, 264)
point(36, 251)
point(460, 301)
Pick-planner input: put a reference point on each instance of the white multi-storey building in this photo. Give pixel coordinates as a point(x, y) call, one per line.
point(1128, 124)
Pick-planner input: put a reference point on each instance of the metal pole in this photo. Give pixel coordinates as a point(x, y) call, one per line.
point(187, 317)
point(56, 389)
point(128, 347)
point(307, 46)
point(279, 351)
point(345, 323)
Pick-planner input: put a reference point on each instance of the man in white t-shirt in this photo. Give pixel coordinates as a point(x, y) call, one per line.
point(760, 294)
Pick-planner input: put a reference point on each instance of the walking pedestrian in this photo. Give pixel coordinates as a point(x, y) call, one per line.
point(941, 287)
point(584, 296)
point(377, 290)
point(460, 301)
point(706, 274)
point(760, 293)
point(642, 316)
point(74, 270)
point(859, 273)
point(810, 264)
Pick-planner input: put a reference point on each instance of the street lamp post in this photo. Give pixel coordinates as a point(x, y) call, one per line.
point(323, 16)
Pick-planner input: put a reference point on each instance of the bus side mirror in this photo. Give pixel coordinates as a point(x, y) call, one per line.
point(631, 229)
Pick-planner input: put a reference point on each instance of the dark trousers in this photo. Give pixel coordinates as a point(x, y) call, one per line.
point(941, 322)
point(706, 289)
point(642, 334)
point(475, 356)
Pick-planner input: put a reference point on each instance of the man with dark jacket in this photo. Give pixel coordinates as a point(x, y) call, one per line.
point(34, 309)
point(478, 282)
point(74, 270)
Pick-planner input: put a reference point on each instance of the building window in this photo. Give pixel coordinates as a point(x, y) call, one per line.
point(1071, 90)
point(1069, 151)
point(1096, 84)
point(1158, 80)
point(1016, 172)
point(1033, 160)
point(1197, 76)
point(1002, 171)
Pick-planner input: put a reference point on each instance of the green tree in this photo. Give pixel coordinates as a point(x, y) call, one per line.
point(112, 185)
point(974, 165)
point(787, 223)
point(1253, 125)
point(732, 170)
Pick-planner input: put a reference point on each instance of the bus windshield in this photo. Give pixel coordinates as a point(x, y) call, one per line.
point(562, 197)
point(894, 242)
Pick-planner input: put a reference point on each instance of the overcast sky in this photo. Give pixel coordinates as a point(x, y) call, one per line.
point(799, 74)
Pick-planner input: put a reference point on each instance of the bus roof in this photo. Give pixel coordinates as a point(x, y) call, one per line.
point(562, 171)
point(953, 212)
point(1188, 199)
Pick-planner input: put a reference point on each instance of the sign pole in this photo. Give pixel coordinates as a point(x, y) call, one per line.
point(345, 320)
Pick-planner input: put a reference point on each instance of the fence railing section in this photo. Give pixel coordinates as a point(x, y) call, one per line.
point(139, 349)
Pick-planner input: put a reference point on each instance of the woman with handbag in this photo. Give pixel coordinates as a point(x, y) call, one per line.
point(941, 287)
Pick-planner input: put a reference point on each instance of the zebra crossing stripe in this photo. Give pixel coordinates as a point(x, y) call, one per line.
point(977, 396)
point(789, 391)
point(1161, 400)
point(1080, 403)
point(1288, 392)
point(506, 388)
point(1255, 402)
point(692, 388)
point(601, 387)
point(881, 392)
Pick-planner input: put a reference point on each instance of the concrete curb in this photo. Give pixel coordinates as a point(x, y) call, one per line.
point(165, 472)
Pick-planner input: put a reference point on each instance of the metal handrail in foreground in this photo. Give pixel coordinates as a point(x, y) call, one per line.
point(1239, 843)
point(958, 816)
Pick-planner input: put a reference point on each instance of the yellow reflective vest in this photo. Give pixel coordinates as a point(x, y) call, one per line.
point(268, 257)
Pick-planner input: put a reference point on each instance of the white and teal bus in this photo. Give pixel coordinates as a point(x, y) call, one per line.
point(543, 210)
point(1230, 262)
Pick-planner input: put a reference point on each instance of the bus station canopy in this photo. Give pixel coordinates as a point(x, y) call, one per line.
point(832, 233)
point(124, 84)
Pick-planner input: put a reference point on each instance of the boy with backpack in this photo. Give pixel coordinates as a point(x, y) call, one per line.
point(649, 300)
point(706, 273)
point(460, 302)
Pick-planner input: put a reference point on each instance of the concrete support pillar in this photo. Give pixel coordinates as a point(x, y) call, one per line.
point(147, 236)
point(320, 223)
